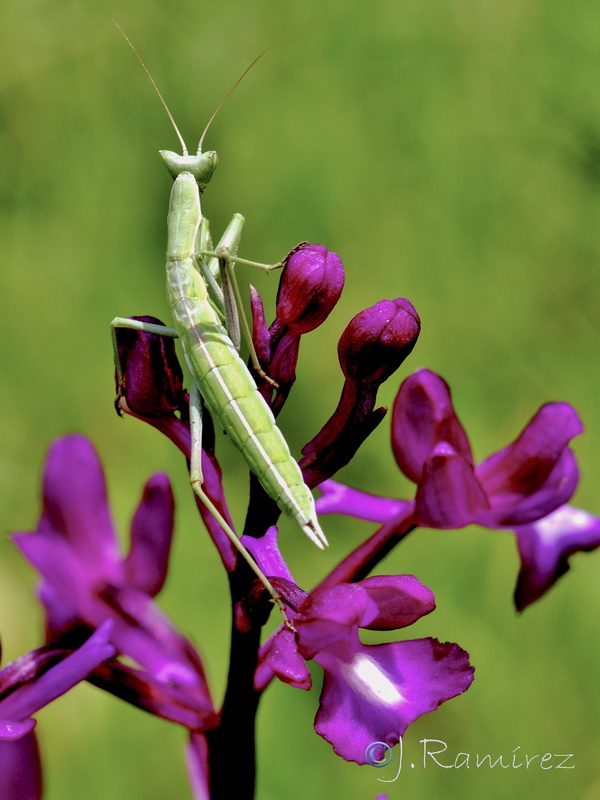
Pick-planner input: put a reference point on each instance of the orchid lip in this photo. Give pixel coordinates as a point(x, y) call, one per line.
point(371, 681)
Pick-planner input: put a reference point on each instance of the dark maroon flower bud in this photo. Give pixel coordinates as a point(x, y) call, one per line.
point(371, 348)
point(378, 340)
point(310, 286)
point(151, 381)
point(151, 389)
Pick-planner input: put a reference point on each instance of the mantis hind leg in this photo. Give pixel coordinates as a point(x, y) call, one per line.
point(197, 481)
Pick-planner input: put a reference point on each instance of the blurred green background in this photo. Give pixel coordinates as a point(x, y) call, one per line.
point(450, 152)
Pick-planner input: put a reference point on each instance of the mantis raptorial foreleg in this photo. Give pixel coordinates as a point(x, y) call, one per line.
point(235, 315)
point(226, 295)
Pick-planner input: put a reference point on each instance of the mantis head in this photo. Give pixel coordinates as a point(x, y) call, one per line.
point(201, 166)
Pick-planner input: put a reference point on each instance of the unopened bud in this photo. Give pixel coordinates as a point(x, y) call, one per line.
point(310, 286)
point(151, 378)
point(378, 340)
point(371, 348)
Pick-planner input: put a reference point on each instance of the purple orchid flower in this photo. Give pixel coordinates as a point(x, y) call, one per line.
point(524, 486)
point(27, 685)
point(524, 482)
point(85, 580)
point(370, 692)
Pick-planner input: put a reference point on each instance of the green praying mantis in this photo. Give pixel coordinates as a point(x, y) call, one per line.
point(204, 301)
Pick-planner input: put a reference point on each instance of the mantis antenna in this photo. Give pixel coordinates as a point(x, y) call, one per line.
point(156, 89)
point(242, 76)
point(223, 101)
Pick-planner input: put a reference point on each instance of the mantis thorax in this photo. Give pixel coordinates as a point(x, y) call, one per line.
point(201, 166)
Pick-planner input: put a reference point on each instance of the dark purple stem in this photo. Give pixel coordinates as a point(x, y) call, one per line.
point(233, 771)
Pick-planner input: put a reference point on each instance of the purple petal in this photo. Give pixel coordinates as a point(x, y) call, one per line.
point(546, 546)
point(371, 348)
point(59, 565)
point(282, 656)
point(61, 618)
point(141, 631)
point(277, 352)
point(29, 667)
point(329, 615)
point(267, 555)
point(27, 699)
point(509, 509)
point(423, 416)
point(282, 366)
point(20, 769)
point(145, 634)
point(340, 499)
point(260, 332)
point(537, 461)
point(400, 599)
point(372, 693)
point(338, 440)
point(76, 506)
point(449, 495)
point(151, 536)
point(96, 592)
point(187, 706)
point(11, 731)
point(196, 758)
point(373, 345)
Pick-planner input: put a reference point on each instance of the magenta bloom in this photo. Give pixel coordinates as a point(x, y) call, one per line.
point(21, 769)
point(525, 481)
point(86, 581)
point(370, 692)
point(524, 486)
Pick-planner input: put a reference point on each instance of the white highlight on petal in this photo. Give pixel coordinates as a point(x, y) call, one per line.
point(565, 518)
point(367, 678)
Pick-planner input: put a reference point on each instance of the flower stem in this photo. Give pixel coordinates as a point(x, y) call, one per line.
point(361, 561)
point(232, 746)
